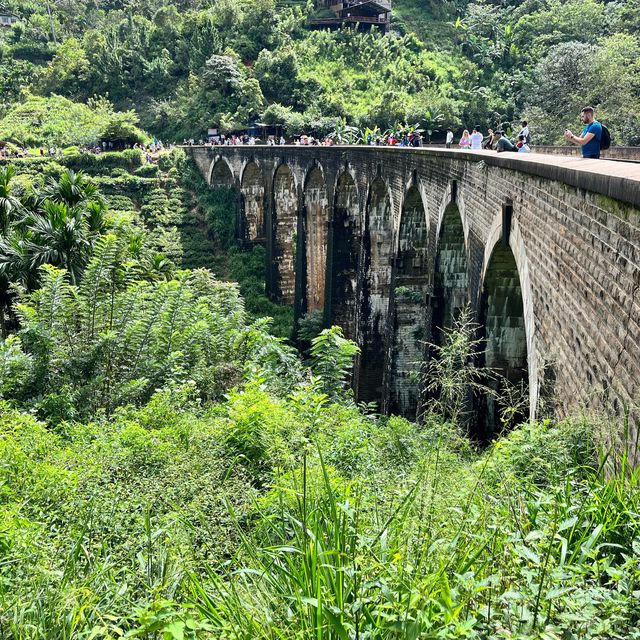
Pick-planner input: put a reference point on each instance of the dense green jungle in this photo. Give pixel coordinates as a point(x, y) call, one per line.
point(185, 65)
point(171, 466)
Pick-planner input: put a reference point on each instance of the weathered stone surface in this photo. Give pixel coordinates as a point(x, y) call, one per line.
point(284, 230)
point(451, 282)
point(252, 189)
point(574, 258)
point(317, 210)
point(411, 287)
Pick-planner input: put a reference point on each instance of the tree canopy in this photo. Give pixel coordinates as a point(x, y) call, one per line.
point(186, 65)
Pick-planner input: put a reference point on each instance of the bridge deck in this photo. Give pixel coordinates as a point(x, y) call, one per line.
point(617, 180)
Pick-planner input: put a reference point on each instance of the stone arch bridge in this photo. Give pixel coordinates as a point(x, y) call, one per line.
point(392, 243)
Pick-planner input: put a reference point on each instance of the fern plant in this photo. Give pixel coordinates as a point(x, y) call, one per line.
point(117, 336)
point(332, 360)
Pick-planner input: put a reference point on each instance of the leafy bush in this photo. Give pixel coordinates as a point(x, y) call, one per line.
point(147, 170)
point(58, 121)
point(116, 337)
point(176, 159)
point(400, 559)
point(128, 159)
point(332, 360)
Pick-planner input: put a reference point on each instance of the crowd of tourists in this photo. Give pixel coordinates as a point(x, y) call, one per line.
point(13, 152)
point(250, 140)
point(494, 140)
point(594, 138)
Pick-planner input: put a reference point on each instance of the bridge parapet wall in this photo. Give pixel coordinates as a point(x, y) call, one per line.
point(571, 225)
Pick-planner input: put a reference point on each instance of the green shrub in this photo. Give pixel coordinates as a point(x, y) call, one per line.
point(15, 368)
point(129, 159)
point(543, 452)
point(114, 339)
point(175, 159)
point(147, 170)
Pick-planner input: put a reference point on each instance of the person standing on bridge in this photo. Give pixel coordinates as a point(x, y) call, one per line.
point(591, 134)
point(476, 139)
point(449, 138)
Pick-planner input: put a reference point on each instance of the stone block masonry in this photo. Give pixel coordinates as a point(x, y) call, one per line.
point(391, 243)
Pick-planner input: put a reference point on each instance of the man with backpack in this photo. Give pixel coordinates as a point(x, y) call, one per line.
point(595, 136)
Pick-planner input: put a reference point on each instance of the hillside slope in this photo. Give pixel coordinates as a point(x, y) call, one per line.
point(185, 65)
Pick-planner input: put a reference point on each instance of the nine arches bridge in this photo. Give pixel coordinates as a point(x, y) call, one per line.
point(391, 243)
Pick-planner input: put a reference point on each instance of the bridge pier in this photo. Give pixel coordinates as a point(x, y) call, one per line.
point(344, 257)
point(316, 213)
point(376, 289)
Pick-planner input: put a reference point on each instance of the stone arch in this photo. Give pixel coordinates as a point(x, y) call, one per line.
point(378, 252)
point(284, 230)
point(252, 191)
point(506, 318)
point(346, 173)
point(343, 261)
point(316, 221)
point(411, 287)
point(451, 276)
point(221, 174)
point(517, 246)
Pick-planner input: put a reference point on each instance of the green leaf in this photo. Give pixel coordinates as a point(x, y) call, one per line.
point(527, 554)
point(175, 631)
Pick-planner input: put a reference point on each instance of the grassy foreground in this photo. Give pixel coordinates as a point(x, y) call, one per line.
point(169, 469)
point(287, 516)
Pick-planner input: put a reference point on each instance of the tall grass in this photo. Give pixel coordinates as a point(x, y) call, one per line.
point(494, 554)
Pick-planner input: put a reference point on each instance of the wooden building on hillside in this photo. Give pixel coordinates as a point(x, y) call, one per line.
point(7, 18)
point(364, 13)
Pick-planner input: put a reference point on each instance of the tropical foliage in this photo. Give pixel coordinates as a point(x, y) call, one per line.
point(190, 64)
point(59, 122)
point(169, 468)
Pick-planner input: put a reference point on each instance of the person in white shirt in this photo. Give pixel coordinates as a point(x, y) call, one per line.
point(449, 138)
point(525, 132)
point(476, 139)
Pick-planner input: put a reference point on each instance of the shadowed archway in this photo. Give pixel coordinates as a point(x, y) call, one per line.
point(411, 285)
point(343, 260)
point(505, 340)
point(451, 281)
point(221, 175)
point(376, 286)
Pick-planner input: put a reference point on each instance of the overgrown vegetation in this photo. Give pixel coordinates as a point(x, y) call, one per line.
point(169, 467)
point(190, 64)
point(280, 512)
point(166, 207)
point(59, 122)
point(217, 207)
